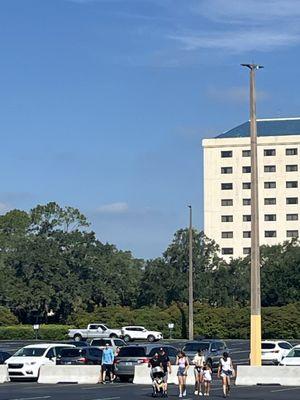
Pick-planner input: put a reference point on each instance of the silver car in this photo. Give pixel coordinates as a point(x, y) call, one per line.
point(212, 350)
point(130, 356)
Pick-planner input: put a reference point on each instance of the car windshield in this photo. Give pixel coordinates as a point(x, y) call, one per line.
point(100, 342)
point(132, 352)
point(196, 346)
point(30, 352)
point(294, 353)
point(70, 352)
point(267, 346)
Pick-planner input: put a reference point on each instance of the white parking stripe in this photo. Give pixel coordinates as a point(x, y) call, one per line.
point(283, 390)
point(32, 398)
point(106, 386)
point(108, 398)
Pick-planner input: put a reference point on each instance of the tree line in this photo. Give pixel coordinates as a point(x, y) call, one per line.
point(51, 260)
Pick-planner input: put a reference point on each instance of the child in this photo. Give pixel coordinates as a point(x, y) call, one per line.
point(206, 379)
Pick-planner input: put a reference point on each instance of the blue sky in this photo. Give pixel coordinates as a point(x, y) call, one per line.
point(104, 103)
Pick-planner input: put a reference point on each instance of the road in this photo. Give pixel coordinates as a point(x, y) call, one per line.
point(239, 350)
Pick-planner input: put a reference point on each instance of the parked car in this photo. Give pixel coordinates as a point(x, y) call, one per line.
point(273, 351)
point(80, 356)
point(26, 362)
point(114, 343)
point(4, 356)
point(292, 358)
point(79, 343)
point(212, 350)
point(139, 333)
point(130, 356)
point(93, 331)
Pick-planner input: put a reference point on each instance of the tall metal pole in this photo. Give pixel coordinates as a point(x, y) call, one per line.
point(255, 330)
point(191, 309)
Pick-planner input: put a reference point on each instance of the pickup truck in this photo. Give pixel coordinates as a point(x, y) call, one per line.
point(94, 331)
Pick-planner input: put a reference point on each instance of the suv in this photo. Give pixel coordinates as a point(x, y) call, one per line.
point(212, 350)
point(130, 356)
point(114, 343)
point(26, 362)
point(273, 351)
point(140, 333)
point(80, 356)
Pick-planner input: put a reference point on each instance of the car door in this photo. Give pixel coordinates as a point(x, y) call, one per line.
point(94, 331)
point(141, 333)
point(284, 348)
point(50, 357)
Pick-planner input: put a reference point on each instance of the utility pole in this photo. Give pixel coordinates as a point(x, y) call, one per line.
point(255, 329)
point(191, 307)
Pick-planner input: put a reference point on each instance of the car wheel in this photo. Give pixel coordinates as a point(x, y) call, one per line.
point(127, 338)
point(151, 338)
point(77, 337)
point(124, 378)
point(113, 335)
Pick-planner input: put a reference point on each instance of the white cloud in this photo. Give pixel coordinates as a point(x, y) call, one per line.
point(234, 94)
point(4, 208)
point(113, 208)
point(237, 41)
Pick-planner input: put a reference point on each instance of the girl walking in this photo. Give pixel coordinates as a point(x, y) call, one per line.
point(207, 378)
point(198, 362)
point(225, 371)
point(183, 365)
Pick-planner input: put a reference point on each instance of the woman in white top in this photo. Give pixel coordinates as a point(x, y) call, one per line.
point(198, 362)
point(225, 371)
point(207, 378)
point(183, 364)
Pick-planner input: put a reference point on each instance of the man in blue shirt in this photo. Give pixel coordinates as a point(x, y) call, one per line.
point(107, 363)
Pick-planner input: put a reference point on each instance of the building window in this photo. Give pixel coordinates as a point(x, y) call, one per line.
point(246, 218)
point(292, 200)
point(269, 152)
point(270, 168)
point(292, 217)
point(227, 250)
point(226, 154)
point(246, 185)
point(291, 184)
point(246, 234)
point(246, 153)
point(226, 202)
point(227, 235)
point(270, 201)
point(246, 170)
point(227, 218)
point(246, 250)
point(226, 170)
point(270, 217)
point(270, 185)
point(291, 152)
point(291, 168)
point(246, 202)
point(270, 233)
point(292, 234)
point(226, 186)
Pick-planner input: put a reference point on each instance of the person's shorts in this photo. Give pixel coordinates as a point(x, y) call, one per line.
point(181, 372)
point(165, 377)
point(198, 371)
point(107, 368)
point(228, 373)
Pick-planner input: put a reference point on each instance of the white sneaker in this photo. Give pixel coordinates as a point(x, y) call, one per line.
point(180, 395)
point(200, 394)
point(184, 393)
point(196, 392)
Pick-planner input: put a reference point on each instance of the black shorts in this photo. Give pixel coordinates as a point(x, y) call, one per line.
point(108, 368)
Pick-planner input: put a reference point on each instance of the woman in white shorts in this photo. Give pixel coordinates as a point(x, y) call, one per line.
point(198, 362)
point(225, 371)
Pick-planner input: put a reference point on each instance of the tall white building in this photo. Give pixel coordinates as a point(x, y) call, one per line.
point(227, 195)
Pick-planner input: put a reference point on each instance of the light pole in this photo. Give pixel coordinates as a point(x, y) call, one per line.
point(191, 309)
point(255, 325)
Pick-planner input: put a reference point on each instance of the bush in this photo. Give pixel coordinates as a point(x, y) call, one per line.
point(26, 332)
point(7, 317)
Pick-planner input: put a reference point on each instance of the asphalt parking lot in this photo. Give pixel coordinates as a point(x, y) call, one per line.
point(239, 351)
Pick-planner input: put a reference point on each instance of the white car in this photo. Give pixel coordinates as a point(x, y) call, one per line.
point(273, 351)
point(293, 357)
point(140, 333)
point(26, 362)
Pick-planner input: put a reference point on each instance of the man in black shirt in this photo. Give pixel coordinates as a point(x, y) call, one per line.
point(166, 365)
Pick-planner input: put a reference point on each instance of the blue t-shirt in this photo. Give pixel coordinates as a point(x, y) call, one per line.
point(108, 356)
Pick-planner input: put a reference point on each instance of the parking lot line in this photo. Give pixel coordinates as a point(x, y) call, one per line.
point(285, 390)
point(32, 398)
point(107, 386)
point(108, 398)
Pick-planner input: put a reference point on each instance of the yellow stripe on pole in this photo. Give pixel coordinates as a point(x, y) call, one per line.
point(255, 344)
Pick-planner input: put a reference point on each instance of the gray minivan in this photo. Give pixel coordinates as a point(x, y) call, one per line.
point(212, 350)
point(130, 356)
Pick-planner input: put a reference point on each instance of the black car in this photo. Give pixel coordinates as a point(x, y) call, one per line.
point(4, 356)
point(80, 356)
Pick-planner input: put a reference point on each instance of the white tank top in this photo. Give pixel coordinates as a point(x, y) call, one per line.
point(226, 365)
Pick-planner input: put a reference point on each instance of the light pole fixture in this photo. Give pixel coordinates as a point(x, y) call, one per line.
point(255, 324)
point(191, 308)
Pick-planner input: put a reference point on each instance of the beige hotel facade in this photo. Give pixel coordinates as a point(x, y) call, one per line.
point(227, 194)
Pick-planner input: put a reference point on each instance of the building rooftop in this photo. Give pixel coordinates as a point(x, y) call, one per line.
point(266, 127)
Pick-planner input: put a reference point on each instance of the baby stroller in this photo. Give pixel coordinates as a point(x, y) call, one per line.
point(157, 382)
